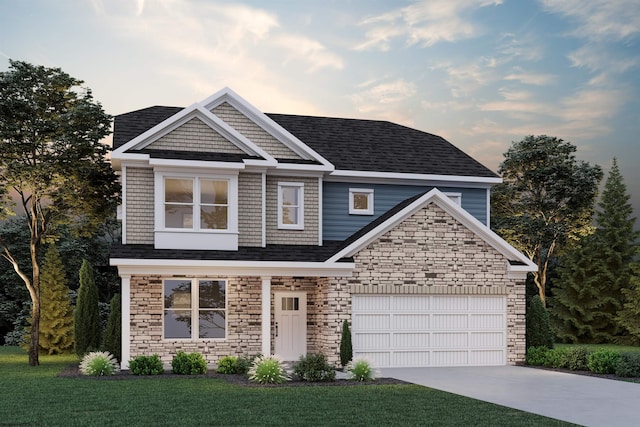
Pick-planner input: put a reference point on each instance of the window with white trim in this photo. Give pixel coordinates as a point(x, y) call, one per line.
point(361, 201)
point(196, 203)
point(455, 198)
point(194, 308)
point(291, 205)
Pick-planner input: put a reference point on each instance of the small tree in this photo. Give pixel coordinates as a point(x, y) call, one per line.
point(113, 332)
point(56, 323)
point(346, 349)
point(87, 315)
point(630, 313)
point(539, 332)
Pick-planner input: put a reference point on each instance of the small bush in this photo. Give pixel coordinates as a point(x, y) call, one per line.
point(536, 355)
point(555, 358)
point(603, 361)
point(228, 365)
point(538, 326)
point(628, 365)
point(268, 370)
point(313, 368)
point(146, 365)
point(99, 363)
point(346, 348)
point(576, 358)
point(188, 364)
point(244, 363)
point(361, 370)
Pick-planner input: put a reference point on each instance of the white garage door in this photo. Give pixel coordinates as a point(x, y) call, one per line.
point(430, 330)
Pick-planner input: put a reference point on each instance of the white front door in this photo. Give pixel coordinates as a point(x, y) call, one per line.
point(290, 324)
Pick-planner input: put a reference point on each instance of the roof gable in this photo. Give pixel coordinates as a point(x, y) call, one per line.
point(517, 261)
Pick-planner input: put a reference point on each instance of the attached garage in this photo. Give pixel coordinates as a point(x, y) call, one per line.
point(430, 330)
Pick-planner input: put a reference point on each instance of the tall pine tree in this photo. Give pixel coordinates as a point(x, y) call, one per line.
point(56, 318)
point(594, 276)
point(87, 315)
point(629, 315)
point(112, 334)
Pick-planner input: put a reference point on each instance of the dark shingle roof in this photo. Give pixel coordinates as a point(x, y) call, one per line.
point(196, 155)
point(349, 144)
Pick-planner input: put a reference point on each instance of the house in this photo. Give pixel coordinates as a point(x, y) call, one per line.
point(245, 232)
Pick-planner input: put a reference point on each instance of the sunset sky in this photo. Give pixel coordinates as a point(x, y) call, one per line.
point(479, 73)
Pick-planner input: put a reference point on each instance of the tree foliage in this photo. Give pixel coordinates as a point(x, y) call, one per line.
point(629, 316)
point(539, 333)
point(56, 322)
point(87, 315)
point(52, 160)
point(112, 333)
point(346, 349)
point(545, 201)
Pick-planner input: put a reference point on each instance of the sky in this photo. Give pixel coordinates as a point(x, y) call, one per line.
point(480, 73)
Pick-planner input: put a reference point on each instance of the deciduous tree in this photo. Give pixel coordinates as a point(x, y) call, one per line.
point(545, 201)
point(52, 159)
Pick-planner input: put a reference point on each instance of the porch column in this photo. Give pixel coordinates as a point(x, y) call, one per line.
point(266, 316)
point(125, 292)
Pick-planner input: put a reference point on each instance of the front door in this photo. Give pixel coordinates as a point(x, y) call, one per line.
point(290, 324)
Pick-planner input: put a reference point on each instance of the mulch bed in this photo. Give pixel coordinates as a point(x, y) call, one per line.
point(73, 371)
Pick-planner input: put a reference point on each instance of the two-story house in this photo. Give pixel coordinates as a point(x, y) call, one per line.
point(245, 232)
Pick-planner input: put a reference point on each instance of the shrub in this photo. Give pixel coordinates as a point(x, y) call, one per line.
point(244, 363)
point(555, 358)
point(146, 365)
point(576, 358)
point(228, 365)
point(536, 355)
point(267, 370)
point(99, 363)
point(188, 364)
point(603, 361)
point(87, 314)
point(113, 332)
point(361, 370)
point(539, 331)
point(346, 349)
point(313, 368)
point(628, 365)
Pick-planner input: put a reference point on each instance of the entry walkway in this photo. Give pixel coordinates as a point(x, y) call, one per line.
point(579, 399)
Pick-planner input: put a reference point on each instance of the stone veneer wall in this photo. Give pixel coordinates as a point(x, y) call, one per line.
point(308, 236)
point(253, 132)
point(250, 209)
point(194, 135)
point(139, 205)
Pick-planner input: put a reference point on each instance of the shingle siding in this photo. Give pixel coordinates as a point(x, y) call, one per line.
point(194, 135)
point(253, 132)
point(309, 235)
point(139, 205)
point(250, 209)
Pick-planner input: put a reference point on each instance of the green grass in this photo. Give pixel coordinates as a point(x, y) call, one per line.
point(36, 396)
point(594, 347)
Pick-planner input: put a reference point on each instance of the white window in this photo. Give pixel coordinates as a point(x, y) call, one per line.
point(194, 308)
point(360, 201)
point(455, 198)
point(291, 205)
point(196, 203)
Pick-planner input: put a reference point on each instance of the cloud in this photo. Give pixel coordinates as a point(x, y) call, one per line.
point(465, 79)
point(385, 100)
point(424, 23)
point(530, 78)
point(597, 57)
point(600, 20)
point(519, 47)
point(314, 53)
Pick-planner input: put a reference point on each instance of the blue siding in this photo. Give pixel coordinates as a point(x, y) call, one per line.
point(338, 224)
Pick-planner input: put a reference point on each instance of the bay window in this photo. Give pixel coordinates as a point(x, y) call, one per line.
point(196, 203)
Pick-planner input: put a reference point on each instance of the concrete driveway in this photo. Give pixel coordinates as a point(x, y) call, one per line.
point(578, 399)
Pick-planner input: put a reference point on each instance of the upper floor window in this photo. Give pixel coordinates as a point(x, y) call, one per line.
point(360, 201)
point(291, 205)
point(194, 308)
point(196, 203)
point(455, 198)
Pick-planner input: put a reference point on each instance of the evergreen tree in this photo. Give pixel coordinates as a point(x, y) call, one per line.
point(56, 318)
point(346, 349)
point(629, 316)
point(593, 277)
point(113, 332)
point(539, 332)
point(87, 315)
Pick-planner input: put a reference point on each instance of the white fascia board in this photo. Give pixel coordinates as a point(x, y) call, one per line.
point(302, 167)
point(231, 268)
point(260, 163)
point(440, 179)
point(452, 208)
point(168, 163)
point(265, 122)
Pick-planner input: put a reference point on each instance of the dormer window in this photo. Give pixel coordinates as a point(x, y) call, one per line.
point(360, 201)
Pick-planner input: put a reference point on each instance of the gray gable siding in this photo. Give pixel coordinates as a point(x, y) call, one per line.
point(338, 224)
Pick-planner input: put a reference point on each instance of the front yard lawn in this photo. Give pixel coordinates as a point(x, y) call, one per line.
point(37, 396)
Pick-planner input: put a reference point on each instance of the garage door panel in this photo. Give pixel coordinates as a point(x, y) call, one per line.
point(449, 321)
point(410, 321)
point(411, 340)
point(430, 330)
point(372, 340)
